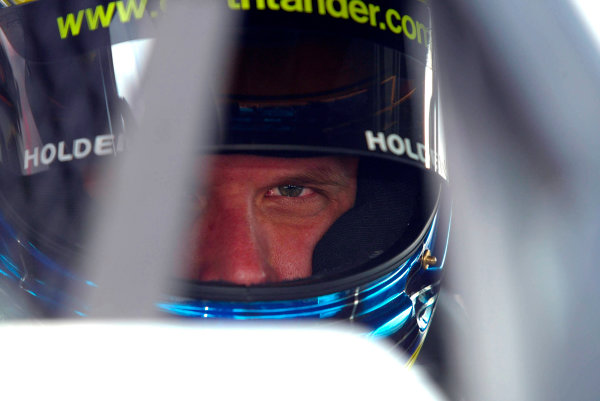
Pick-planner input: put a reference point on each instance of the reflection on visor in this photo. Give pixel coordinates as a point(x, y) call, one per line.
point(129, 62)
point(64, 121)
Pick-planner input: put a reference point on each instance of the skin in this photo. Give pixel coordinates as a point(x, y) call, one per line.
point(260, 218)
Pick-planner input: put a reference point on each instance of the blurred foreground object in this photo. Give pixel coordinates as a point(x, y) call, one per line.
point(521, 93)
point(150, 360)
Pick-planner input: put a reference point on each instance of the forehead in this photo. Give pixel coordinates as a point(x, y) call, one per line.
point(252, 164)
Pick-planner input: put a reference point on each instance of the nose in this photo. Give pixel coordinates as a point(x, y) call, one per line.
point(232, 247)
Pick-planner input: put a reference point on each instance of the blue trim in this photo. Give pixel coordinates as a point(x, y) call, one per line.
point(383, 305)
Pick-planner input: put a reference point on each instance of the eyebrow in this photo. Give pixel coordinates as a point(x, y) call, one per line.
point(326, 176)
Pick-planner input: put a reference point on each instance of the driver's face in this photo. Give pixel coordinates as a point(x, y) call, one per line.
point(259, 218)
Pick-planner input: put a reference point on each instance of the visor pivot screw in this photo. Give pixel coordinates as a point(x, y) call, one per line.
point(427, 259)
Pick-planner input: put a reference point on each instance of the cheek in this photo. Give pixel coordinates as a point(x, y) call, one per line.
point(190, 249)
point(291, 247)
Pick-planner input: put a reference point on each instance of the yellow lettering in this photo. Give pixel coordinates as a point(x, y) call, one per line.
point(260, 4)
point(422, 28)
point(413, 33)
point(341, 13)
point(308, 7)
point(321, 6)
point(272, 4)
point(132, 7)
point(358, 11)
point(100, 15)
point(234, 5)
point(70, 24)
point(291, 5)
point(373, 10)
point(388, 19)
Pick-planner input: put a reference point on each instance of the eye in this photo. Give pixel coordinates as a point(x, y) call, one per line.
point(290, 191)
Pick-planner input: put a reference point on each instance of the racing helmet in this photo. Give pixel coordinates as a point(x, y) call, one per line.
point(348, 83)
